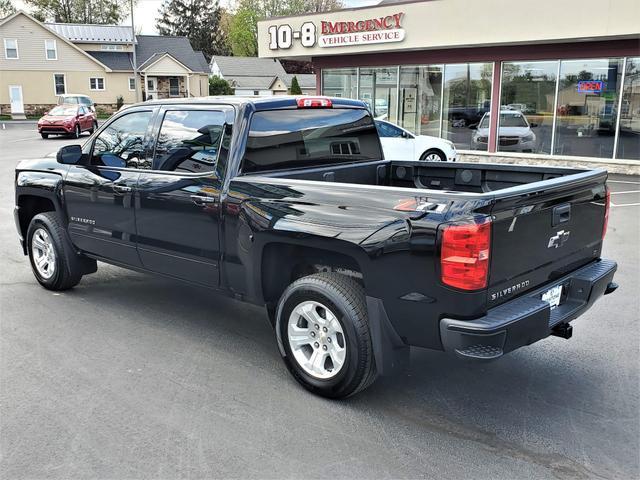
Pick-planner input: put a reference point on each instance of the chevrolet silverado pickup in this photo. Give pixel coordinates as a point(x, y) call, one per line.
point(288, 202)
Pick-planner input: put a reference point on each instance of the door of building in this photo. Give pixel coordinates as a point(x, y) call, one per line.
point(15, 97)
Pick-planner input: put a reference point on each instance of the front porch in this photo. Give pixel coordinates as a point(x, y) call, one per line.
point(158, 87)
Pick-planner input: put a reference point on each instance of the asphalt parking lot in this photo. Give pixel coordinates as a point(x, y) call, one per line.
point(132, 376)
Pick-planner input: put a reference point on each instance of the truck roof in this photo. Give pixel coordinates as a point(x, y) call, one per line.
point(260, 102)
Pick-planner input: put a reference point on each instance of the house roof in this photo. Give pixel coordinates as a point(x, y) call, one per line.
point(249, 66)
point(305, 80)
point(114, 60)
point(178, 47)
point(251, 82)
point(78, 32)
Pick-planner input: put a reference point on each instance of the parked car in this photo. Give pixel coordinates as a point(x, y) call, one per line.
point(401, 144)
point(67, 120)
point(287, 202)
point(514, 132)
point(77, 99)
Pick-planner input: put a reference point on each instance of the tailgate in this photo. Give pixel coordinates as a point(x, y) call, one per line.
point(540, 235)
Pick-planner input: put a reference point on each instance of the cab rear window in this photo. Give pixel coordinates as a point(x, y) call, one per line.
point(282, 139)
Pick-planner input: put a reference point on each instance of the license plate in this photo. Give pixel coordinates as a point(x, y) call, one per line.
point(553, 296)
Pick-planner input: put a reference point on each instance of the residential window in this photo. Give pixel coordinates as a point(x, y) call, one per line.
point(174, 87)
point(132, 84)
point(59, 83)
point(10, 48)
point(96, 83)
point(256, 92)
point(50, 49)
point(189, 141)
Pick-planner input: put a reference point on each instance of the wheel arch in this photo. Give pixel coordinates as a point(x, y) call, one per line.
point(437, 150)
point(28, 206)
point(282, 262)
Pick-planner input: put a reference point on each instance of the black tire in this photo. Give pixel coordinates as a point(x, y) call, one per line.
point(68, 267)
point(44, 135)
point(76, 131)
point(93, 128)
point(344, 297)
point(434, 151)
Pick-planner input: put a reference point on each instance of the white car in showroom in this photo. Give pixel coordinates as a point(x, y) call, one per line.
point(514, 132)
point(401, 144)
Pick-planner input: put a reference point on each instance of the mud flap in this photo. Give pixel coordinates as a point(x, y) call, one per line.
point(390, 352)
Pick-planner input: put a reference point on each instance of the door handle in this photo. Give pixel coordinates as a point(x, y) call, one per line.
point(202, 199)
point(122, 188)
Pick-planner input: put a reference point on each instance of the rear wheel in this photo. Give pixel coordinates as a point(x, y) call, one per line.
point(44, 135)
point(323, 335)
point(433, 155)
point(54, 262)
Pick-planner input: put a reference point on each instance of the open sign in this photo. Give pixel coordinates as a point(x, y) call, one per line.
point(590, 86)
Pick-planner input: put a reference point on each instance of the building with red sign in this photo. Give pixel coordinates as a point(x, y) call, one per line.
point(446, 68)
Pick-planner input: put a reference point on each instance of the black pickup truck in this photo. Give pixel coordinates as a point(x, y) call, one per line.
point(288, 202)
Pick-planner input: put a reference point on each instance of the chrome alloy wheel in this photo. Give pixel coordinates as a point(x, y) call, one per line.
point(433, 157)
point(316, 339)
point(44, 255)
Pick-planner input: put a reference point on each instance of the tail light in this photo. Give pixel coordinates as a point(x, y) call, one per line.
point(314, 102)
point(464, 255)
point(607, 204)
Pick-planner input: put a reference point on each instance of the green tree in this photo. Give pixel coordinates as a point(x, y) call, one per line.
point(198, 20)
point(219, 86)
point(295, 86)
point(6, 8)
point(243, 29)
point(80, 11)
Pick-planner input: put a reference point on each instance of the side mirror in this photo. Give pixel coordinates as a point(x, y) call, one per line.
point(404, 135)
point(70, 155)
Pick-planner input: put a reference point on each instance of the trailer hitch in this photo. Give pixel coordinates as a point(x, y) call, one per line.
point(563, 330)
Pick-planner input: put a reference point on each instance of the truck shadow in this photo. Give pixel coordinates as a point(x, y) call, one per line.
point(533, 395)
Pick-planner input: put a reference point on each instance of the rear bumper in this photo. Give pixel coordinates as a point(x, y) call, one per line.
point(528, 318)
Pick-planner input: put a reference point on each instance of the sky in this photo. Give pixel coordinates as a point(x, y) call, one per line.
point(146, 11)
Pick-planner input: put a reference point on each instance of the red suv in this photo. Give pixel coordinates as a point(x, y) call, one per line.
point(67, 120)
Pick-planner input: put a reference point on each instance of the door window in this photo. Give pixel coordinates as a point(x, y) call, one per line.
point(121, 143)
point(190, 141)
point(387, 130)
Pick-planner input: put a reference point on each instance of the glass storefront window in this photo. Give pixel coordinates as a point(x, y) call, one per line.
point(528, 91)
point(420, 99)
point(629, 135)
point(340, 82)
point(467, 98)
point(379, 89)
point(587, 107)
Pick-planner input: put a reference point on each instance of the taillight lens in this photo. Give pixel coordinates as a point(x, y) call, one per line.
point(464, 256)
point(314, 102)
point(607, 204)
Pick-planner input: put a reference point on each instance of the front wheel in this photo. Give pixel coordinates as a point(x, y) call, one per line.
point(54, 262)
point(323, 335)
point(433, 156)
point(44, 135)
point(76, 132)
point(93, 128)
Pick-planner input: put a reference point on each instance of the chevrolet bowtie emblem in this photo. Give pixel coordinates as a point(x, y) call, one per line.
point(558, 239)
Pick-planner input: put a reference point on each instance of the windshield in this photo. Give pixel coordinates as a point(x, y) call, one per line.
point(64, 110)
point(506, 120)
point(281, 139)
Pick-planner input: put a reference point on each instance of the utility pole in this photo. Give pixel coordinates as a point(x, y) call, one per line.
point(135, 62)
